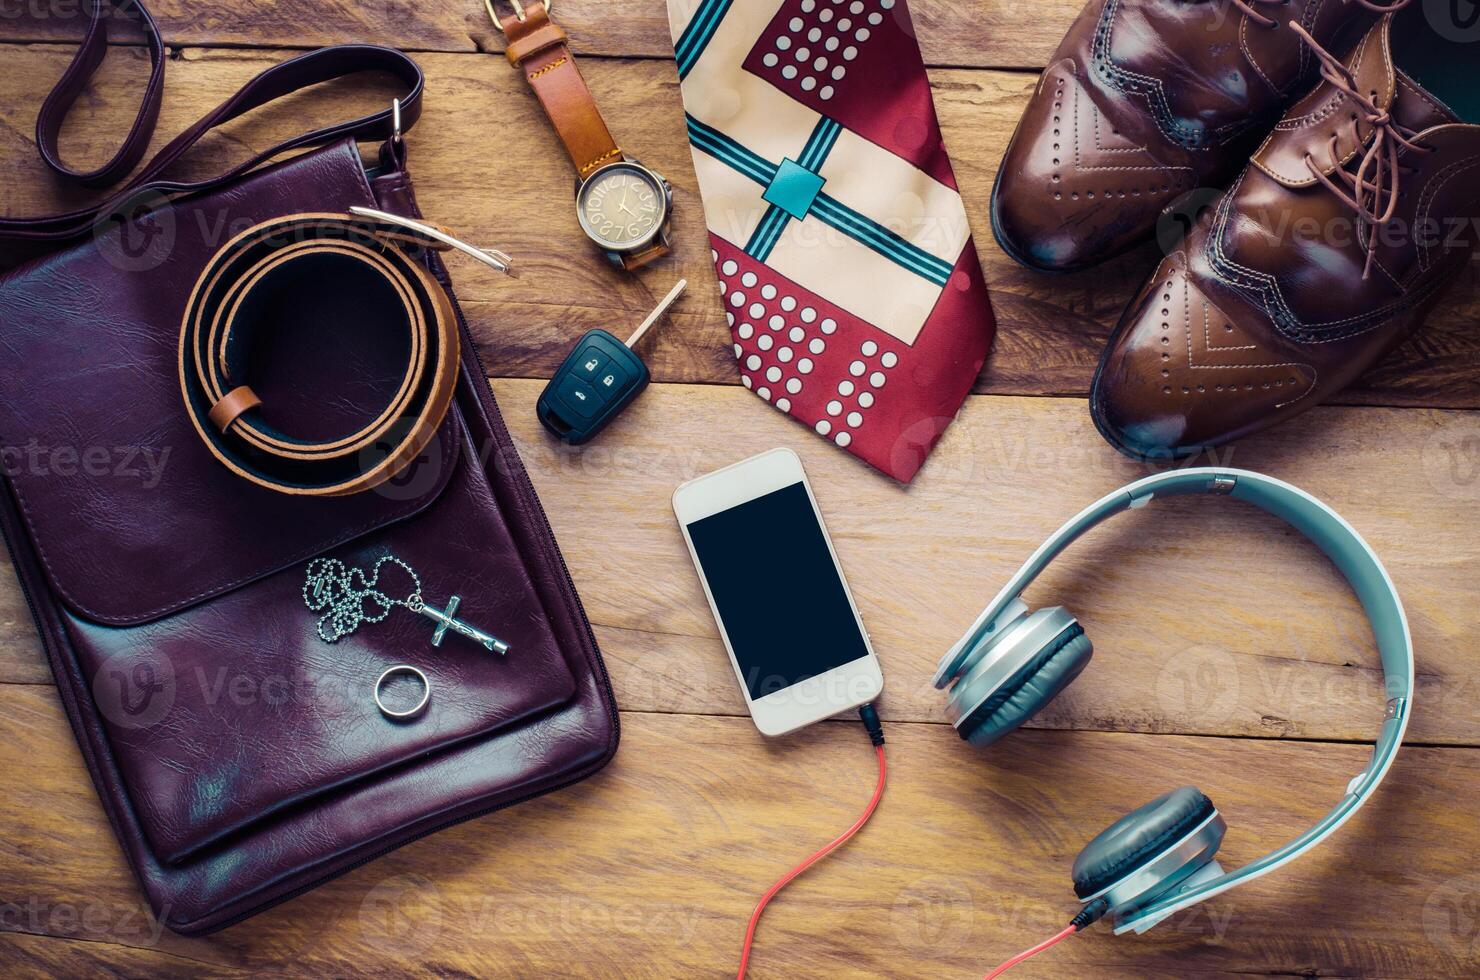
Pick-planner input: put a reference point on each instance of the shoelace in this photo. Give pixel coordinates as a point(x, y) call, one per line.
point(1251, 7)
point(1374, 198)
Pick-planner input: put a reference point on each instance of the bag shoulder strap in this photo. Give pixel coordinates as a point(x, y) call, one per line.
point(25, 237)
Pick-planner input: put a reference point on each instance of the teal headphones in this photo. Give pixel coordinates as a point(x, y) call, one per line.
point(1159, 859)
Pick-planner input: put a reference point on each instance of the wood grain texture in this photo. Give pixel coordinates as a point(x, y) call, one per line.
point(1208, 616)
point(27, 955)
point(1001, 34)
point(651, 867)
point(1209, 620)
point(514, 193)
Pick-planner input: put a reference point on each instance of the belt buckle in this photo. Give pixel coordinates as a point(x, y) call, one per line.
point(518, 11)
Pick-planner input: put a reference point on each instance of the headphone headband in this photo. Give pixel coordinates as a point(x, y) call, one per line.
point(1347, 550)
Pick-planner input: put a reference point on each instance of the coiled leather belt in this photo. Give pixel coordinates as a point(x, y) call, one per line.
point(221, 315)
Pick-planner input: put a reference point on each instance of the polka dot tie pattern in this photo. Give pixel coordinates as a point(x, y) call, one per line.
point(819, 364)
point(845, 261)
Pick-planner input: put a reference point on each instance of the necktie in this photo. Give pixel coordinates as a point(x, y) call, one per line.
point(850, 282)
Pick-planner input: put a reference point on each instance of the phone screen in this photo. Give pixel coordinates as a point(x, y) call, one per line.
point(779, 594)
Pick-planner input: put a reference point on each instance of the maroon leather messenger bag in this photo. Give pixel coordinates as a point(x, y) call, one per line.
point(242, 758)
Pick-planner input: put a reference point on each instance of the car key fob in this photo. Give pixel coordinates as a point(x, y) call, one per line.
point(600, 377)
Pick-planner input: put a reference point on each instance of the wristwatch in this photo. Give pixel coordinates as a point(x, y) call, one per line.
point(624, 207)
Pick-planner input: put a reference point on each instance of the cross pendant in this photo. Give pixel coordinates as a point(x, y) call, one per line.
point(446, 619)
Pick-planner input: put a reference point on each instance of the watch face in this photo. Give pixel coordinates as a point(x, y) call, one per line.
point(622, 206)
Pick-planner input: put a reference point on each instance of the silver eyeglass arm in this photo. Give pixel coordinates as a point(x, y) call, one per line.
point(491, 257)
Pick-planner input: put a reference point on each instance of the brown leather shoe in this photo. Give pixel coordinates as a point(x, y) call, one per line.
point(1335, 242)
point(1144, 101)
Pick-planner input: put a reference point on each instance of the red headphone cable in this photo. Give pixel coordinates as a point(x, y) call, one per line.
point(1087, 917)
point(876, 733)
point(1025, 954)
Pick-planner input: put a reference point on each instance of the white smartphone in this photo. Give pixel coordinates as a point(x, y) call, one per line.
point(773, 580)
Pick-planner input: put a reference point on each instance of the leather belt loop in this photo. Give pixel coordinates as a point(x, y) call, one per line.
point(232, 406)
point(527, 44)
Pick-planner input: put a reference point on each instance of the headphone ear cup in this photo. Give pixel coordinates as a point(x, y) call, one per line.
point(1149, 850)
point(1043, 670)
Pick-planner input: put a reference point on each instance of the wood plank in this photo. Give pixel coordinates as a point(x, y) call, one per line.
point(25, 955)
point(21, 658)
point(1208, 618)
point(513, 193)
point(652, 866)
point(951, 32)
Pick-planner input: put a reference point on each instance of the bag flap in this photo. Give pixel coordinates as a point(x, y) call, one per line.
point(132, 518)
point(226, 714)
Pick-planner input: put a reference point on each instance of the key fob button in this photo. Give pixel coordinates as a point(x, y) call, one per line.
point(610, 381)
point(591, 363)
point(580, 397)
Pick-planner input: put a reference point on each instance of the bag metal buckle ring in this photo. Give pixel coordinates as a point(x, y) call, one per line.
point(396, 137)
point(518, 11)
point(488, 256)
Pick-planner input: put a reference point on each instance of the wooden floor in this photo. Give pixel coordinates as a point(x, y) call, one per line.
point(1228, 655)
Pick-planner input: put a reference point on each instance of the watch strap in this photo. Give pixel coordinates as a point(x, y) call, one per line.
point(539, 48)
point(632, 261)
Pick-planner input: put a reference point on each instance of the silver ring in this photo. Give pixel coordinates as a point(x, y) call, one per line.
point(415, 709)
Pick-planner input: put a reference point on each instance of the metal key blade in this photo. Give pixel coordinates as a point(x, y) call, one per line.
point(658, 311)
